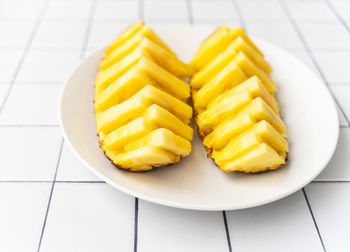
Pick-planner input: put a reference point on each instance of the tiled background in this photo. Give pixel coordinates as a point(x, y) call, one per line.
point(50, 202)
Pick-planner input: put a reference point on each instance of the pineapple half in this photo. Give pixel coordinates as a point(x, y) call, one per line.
point(140, 102)
point(235, 107)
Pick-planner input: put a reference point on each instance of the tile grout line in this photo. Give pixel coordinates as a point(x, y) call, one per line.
point(136, 221)
point(190, 12)
point(239, 14)
point(56, 181)
point(336, 13)
point(25, 52)
point(141, 10)
point(50, 197)
point(308, 50)
point(314, 220)
point(29, 125)
point(330, 181)
point(227, 231)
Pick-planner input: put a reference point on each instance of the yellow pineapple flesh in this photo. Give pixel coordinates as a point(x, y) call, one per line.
point(237, 115)
point(141, 108)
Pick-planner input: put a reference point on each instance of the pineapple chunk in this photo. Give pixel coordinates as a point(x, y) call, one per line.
point(135, 30)
point(164, 139)
point(237, 31)
point(214, 67)
point(261, 132)
point(122, 89)
point(229, 106)
point(229, 77)
point(255, 88)
point(239, 44)
point(210, 48)
point(143, 158)
point(162, 118)
point(163, 78)
point(260, 158)
point(250, 69)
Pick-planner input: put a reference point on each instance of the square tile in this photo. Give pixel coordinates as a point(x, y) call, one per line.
point(165, 10)
point(310, 11)
point(47, 66)
point(22, 213)
point(213, 10)
point(334, 65)
point(117, 10)
point(280, 33)
point(179, 230)
point(89, 217)
point(338, 167)
point(341, 92)
point(271, 227)
point(326, 36)
point(21, 9)
point(72, 169)
point(330, 204)
point(29, 153)
point(262, 10)
point(14, 33)
point(68, 10)
point(9, 61)
point(342, 7)
point(55, 34)
point(102, 34)
point(32, 104)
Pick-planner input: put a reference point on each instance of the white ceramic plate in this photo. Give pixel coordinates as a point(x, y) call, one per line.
point(196, 183)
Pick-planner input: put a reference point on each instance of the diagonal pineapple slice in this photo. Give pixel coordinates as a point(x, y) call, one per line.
point(237, 31)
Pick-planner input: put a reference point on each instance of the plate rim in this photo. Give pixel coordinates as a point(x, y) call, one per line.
point(199, 207)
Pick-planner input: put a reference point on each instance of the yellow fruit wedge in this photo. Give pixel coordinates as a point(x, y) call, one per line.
point(260, 158)
point(255, 88)
point(213, 67)
point(162, 118)
point(229, 77)
point(144, 158)
point(226, 108)
point(163, 78)
point(237, 31)
point(250, 69)
point(164, 139)
point(240, 45)
point(261, 132)
point(211, 48)
point(122, 89)
point(138, 29)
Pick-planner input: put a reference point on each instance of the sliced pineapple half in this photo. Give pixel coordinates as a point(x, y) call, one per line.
point(236, 112)
point(141, 111)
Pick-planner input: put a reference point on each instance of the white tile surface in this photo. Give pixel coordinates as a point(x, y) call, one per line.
point(72, 169)
point(280, 33)
point(102, 34)
point(55, 34)
point(29, 153)
point(22, 213)
point(89, 217)
point(165, 10)
point(47, 66)
point(213, 10)
point(9, 61)
point(310, 11)
point(342, 120)
point(32, 104)
point(343, 8)
point(330, 204)
point(329, 36)
point(338, 168)
point(262, 10)
point(285, 225)
point(15, 33)
point(168, 229)
point(342, 92)
point(334, 65)
point(3, 91)
point(21, 9)
point(117, 10)
point(68, 10)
